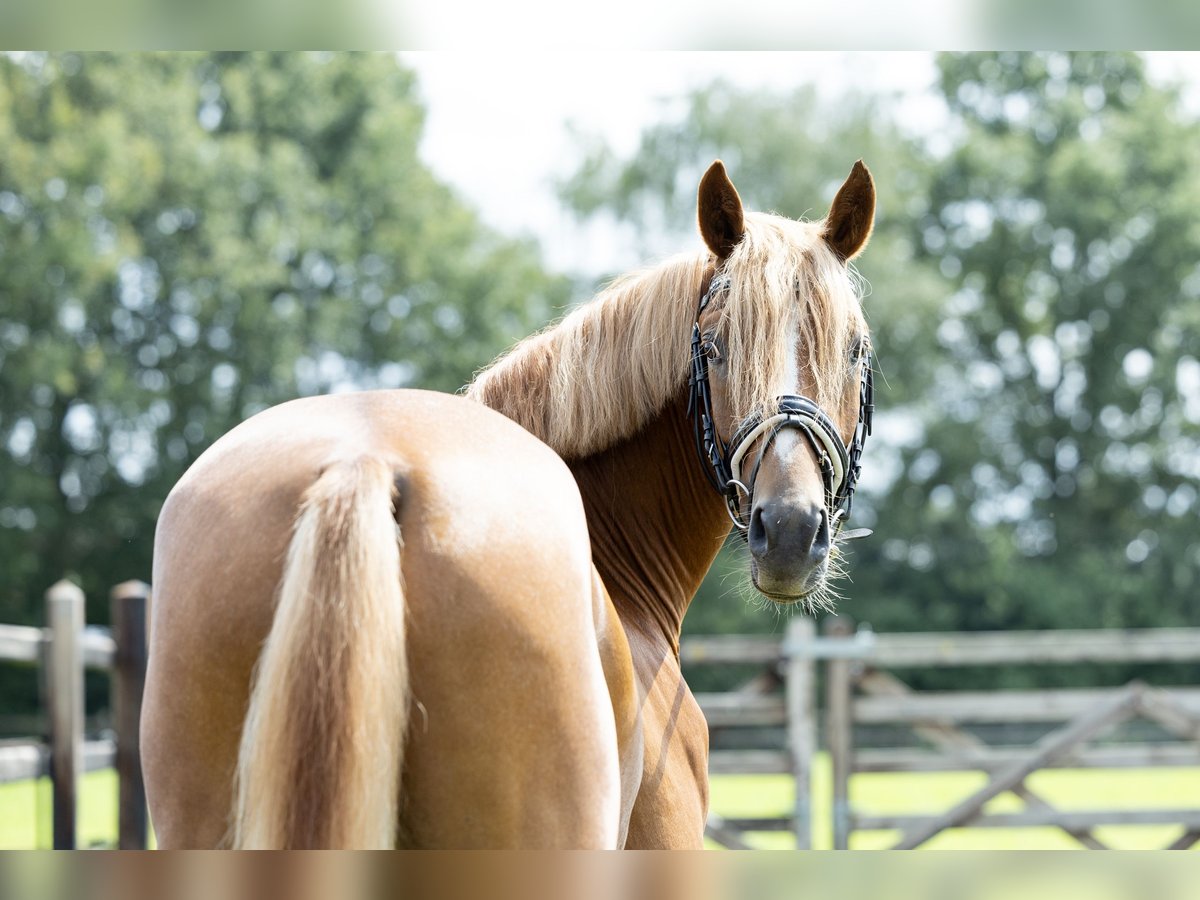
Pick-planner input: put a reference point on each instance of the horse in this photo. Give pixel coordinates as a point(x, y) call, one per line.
point(725, 389)
point(398, 618)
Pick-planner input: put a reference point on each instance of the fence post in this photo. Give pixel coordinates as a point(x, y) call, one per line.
point(65, 617)
point(838, 728)
point(799, 672)
point(129, 678)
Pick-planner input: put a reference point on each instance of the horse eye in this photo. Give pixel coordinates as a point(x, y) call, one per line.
point(711, 350)
point(858, 350)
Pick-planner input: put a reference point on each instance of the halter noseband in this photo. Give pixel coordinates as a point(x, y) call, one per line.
point(723, 463)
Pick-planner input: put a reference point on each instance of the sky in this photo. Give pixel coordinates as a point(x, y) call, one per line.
point(497, 125)
point(498, 121)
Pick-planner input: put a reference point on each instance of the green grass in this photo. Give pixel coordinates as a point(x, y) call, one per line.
point(26, 819)
point(916, 793)
point(25, 806)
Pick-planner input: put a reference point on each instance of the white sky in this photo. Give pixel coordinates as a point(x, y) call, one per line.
point(642, 25)
point(497, 121)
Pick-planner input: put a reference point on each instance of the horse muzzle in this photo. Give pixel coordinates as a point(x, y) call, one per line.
point(789, 545)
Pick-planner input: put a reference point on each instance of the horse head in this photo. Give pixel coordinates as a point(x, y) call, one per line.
point(781, 377)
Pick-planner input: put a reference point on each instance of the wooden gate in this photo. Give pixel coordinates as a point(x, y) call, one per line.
point(863, 690)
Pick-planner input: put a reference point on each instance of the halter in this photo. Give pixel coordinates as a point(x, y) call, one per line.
point(723, 462)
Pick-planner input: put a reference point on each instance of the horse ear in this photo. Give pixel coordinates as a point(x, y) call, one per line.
point(719, 209)
point(852, 215)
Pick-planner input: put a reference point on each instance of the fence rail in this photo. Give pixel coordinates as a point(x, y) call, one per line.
point(63, 649)
point(860, 689)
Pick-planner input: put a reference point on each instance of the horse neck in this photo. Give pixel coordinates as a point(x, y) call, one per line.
point(656, 523)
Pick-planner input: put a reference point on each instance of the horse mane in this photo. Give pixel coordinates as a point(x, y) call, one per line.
point(607, 368)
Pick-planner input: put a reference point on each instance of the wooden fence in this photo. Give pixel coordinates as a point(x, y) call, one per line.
point(63, 649)
point(860, 689)
point(790, 664)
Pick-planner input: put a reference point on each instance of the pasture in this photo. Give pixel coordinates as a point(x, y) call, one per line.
point(25, 823)
point(929, 792)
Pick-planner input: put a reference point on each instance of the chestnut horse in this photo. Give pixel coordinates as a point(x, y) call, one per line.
point(397, 619)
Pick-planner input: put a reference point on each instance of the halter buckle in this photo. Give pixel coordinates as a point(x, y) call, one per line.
point(733, 504)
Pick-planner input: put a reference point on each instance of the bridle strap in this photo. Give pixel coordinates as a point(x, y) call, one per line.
point(793, 414)
point(723, 462)
point(710, 448)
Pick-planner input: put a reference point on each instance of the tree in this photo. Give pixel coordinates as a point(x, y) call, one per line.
point(186, 239)
point(1056, 484)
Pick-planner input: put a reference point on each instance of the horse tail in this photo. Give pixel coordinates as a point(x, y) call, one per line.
point(322, 745)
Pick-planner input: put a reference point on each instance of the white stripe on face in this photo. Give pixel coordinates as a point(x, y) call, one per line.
point(786, 441)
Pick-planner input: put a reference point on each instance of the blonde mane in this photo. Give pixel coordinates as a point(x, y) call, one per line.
point(610, 366)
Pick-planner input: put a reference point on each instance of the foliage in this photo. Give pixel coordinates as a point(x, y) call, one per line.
point(1055, 483)
point(1034, 310)
point(186, 239)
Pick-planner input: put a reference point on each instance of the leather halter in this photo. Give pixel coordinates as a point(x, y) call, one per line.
point(724, 462)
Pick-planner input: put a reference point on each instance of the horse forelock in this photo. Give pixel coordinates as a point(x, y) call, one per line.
point(608, 367)
point(791, 304)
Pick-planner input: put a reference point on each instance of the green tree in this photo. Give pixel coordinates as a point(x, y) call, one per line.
point(186, 239)
point(1055, 484)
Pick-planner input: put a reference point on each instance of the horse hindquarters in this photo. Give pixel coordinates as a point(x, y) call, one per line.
point(491, 649)
point(320, 758)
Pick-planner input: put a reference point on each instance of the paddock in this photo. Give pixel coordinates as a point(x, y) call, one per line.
point(816, 693)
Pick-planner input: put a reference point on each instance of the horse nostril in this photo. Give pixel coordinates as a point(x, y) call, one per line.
point(808, 530)
point(759, 537)
point(821, 540)
point(786, 530)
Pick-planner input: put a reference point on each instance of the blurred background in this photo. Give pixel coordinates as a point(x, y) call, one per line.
point(187, 239)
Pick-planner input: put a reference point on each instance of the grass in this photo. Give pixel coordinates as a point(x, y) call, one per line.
point(25, 819)
point(916, 793)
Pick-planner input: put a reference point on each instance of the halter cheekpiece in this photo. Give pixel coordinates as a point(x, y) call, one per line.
point(725, 463)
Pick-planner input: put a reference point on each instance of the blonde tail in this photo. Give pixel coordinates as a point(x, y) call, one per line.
point(322, 744)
